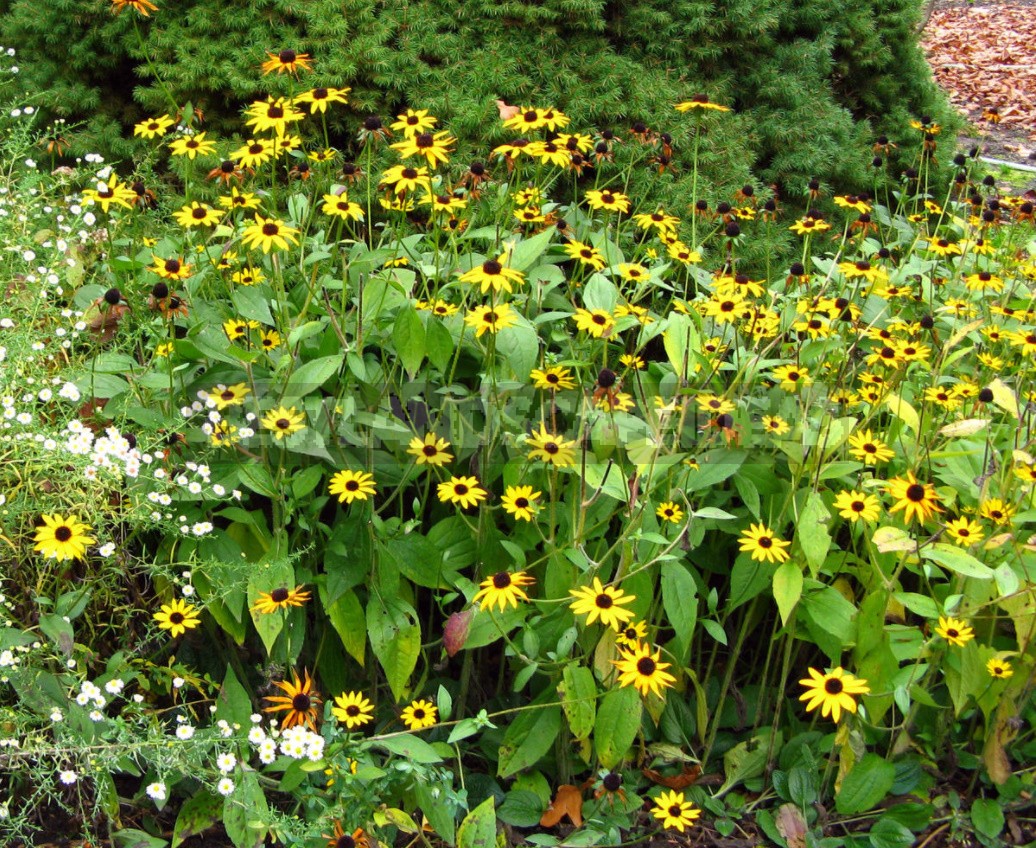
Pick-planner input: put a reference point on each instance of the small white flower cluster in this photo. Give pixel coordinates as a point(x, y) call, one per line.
point(90, 692)
point(156, 791)
point(300, 742)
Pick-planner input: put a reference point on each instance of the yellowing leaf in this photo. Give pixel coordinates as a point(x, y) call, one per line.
point(1004, 397)
point(567, 802)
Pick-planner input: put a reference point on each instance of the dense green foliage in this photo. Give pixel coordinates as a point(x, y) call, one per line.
point(813, 83)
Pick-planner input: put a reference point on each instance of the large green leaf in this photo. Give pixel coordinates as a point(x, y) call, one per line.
point(866, 785)
point(530, 736)
point(395, 639)
point(408, 337)
point(478, 830)
point(680, 599)
point(578, 692)
point(618, 721)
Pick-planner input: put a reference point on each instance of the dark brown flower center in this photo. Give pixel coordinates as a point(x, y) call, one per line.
point(765, 542)
point(501, 580)
point(352, 485)
point(530, 116)
point(915, 493)
point(63, 534)
point(283, 423)
point(857, 506)
point(833, 686)
point(612, 781)
point(490, 317)
point(551, 448)
point(492, 267)
point(352, 710)
point(301, 702)
point(676, 811)
point(521, 503)
point(172, 266)
point(287, 56)
point(270, 229)
point(603, 601)
point(460, 489)
point(345, 841)
point(176, 618)
point(429, 450)
point(279, 595)
point(275, 112)
point(424, 140)
point(600, 319)
point(199, 213)
point(255, 149)
point(418, 713)
point(409, 174)
point(952, 632)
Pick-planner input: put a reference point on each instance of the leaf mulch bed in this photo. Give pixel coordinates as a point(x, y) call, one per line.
point(983, 55)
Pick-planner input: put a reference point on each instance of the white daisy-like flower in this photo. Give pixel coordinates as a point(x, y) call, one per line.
point(225, 762)
point(156, 791)
point(184, 731)
point(68, 777)
point(225, 787)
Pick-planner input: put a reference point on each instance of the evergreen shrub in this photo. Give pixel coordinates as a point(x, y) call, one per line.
point(813, 84)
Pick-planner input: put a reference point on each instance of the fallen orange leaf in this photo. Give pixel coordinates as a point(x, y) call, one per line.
point(567, 802)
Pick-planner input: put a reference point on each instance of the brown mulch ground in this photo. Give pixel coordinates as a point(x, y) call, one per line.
point(984, 55)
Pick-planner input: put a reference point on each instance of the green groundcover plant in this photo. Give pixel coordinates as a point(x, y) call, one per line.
point(372, 495)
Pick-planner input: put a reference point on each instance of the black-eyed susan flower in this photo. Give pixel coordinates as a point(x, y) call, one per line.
point(956, 631)
point(700, 102)
point(192, 146)
point(420, 714)
point(869, 450)
point(224, 396)
point(585, 254)
point(177, 617)
point(964, 531)
point(596, 322)
point(299, 701)
point(503, 589)
point(434, 147)
point(340, 206)
point(269, 234)
point(462, 491)
point(520, 502)
point(524, 119)
point(413, 122)
point(809, 225)
point(239, 199)
point(673, 811)
point(61, 538)
point(490, 319)
point(855, 505)
point(643, 669)
point(791, 378)
point(287, 62)
point(996, 510)
point(341, 839)
point(551, 448)
point(143, 7)
point(197, 214)
point(283, 422)
point(280, 598)
point(609, 201)
point(104, 194)
point(714, 404)
point(670, 511)
point(832, 691)
point(493, 274)
point(431, 450)
point(353, 709)
point(602, 602)
point(318, 99)
point(403, 179)
point(944, 247)
point(764, 546)
point(999, 669)
point(554, 378)
point(274, 113)
point(171, 269)
point(775, 425)
point(153, 127)
point(351, 486)
point(915, 499)
point(631, 634)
